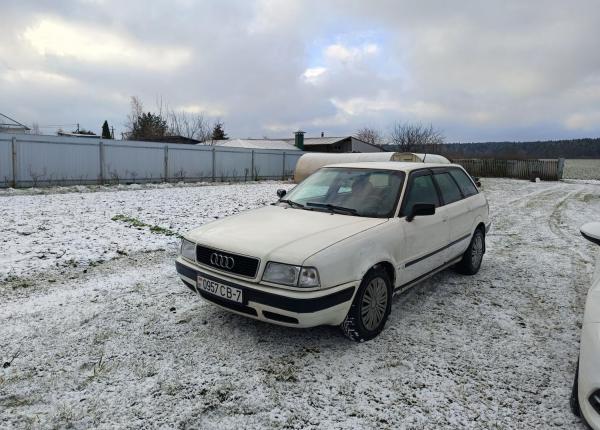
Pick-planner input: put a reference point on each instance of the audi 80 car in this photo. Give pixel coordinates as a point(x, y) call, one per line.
point(336, 248)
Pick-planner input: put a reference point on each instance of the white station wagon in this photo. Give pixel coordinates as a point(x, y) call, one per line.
point(335, 248)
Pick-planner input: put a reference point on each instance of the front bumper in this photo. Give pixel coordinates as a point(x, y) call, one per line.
point(274, 305)
point(589, 377)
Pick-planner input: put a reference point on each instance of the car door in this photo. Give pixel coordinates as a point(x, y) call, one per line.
point(425, 237)
point(456, 207)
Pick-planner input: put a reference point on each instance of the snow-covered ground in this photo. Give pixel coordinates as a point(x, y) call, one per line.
point(96, 330)
point(50, 229)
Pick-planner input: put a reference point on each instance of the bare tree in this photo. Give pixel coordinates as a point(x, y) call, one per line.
point(35, 128)
point(406, 136)
point(177, 123)
point(370, 135)
point(137, 109)
point(190, 125)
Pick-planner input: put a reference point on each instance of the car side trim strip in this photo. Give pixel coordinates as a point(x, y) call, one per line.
point(301, 306)
point(404, 287)
point(431, 254)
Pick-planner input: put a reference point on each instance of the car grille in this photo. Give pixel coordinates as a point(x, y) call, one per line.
point(227, 262)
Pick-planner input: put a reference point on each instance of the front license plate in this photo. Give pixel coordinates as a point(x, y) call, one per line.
point(219, 290)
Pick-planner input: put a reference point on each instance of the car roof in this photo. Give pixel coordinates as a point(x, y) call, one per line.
point(391, 165)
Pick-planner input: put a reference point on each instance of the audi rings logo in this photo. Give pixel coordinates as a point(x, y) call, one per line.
point(222, 261)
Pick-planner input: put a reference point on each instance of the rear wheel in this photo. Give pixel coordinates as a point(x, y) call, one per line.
point(371, 306)
point(471, 260)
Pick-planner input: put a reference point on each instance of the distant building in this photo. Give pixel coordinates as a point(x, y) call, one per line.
point(9, 125)
point(308, 144)
point(338, 144)
point(173, 139)
point(280, 144)
point(75, 134)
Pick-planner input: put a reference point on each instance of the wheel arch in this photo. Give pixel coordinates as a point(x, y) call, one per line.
point(481, 226)
point(389, 269)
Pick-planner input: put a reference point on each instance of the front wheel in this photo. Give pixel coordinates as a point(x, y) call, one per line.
point(471, 260)
point(370, 308)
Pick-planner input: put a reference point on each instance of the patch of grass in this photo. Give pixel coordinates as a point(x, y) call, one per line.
point(133, 222)
point(16, 282)
point(14, 401)
point(161, 230)
point(136, 223)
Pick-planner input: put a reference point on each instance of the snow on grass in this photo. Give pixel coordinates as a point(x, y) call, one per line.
point(125, 344)
point(582, 169)
point(58, 229)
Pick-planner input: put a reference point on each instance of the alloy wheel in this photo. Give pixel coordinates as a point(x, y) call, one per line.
point(374, 304)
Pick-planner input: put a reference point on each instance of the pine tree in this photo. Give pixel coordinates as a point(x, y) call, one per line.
point(218, 132)
point(149, 126)
point(106, 131)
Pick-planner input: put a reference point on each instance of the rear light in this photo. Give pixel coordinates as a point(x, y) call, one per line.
point(594, 400)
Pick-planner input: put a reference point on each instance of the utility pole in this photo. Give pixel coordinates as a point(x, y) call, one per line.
point(112, 133)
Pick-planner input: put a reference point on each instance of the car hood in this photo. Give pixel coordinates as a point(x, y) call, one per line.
point(279, 233)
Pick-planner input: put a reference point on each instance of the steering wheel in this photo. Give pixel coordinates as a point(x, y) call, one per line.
point(373, 201)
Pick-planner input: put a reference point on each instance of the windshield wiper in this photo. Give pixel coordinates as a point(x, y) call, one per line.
point(292, 203)
point(333, 208)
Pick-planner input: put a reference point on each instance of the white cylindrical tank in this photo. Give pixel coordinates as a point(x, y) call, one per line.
point(420, 158)
point(312, 161)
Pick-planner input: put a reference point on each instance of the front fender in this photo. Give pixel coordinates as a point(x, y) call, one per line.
point(350, 259)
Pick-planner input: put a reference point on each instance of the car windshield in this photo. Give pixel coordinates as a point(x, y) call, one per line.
point(349, 191)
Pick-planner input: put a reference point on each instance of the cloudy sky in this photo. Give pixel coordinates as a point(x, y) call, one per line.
point(478, 70)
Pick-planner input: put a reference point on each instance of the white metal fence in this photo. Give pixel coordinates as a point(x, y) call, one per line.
point(30, 160)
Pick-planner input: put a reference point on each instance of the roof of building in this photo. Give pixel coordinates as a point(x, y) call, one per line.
point(173, 139)
point(257, 144)
point(67, 133)
point(308, 141)
point(390, 165)
point(323, 140)
point(9, 123)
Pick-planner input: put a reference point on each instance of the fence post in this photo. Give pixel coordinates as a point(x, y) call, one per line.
point(283, 168)
point(14, 161)
point(101, 159)
point(252, 167)
point(561, 168)
point(213, 163)
point(166, 164)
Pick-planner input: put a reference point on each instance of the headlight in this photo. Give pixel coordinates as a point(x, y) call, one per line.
point(293, 276)
point(188, 249)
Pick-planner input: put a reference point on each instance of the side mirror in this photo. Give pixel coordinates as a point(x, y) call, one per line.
point(477, 181)
point(591, 231)
point(420, 209)
point(281, 193)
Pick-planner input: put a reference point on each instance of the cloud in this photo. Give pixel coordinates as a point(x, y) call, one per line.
point(202, 109)
point(339, 52)
point(312, 75)
point(34, 77)
point(88, 43)
point(583, 121)
point(477, 70)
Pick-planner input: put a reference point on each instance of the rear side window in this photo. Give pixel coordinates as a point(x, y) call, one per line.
point(465, 184)
point(421, 190)
point(449, 189)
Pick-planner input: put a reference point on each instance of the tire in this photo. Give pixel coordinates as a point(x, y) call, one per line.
point(471, 260)
point(362, 324)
